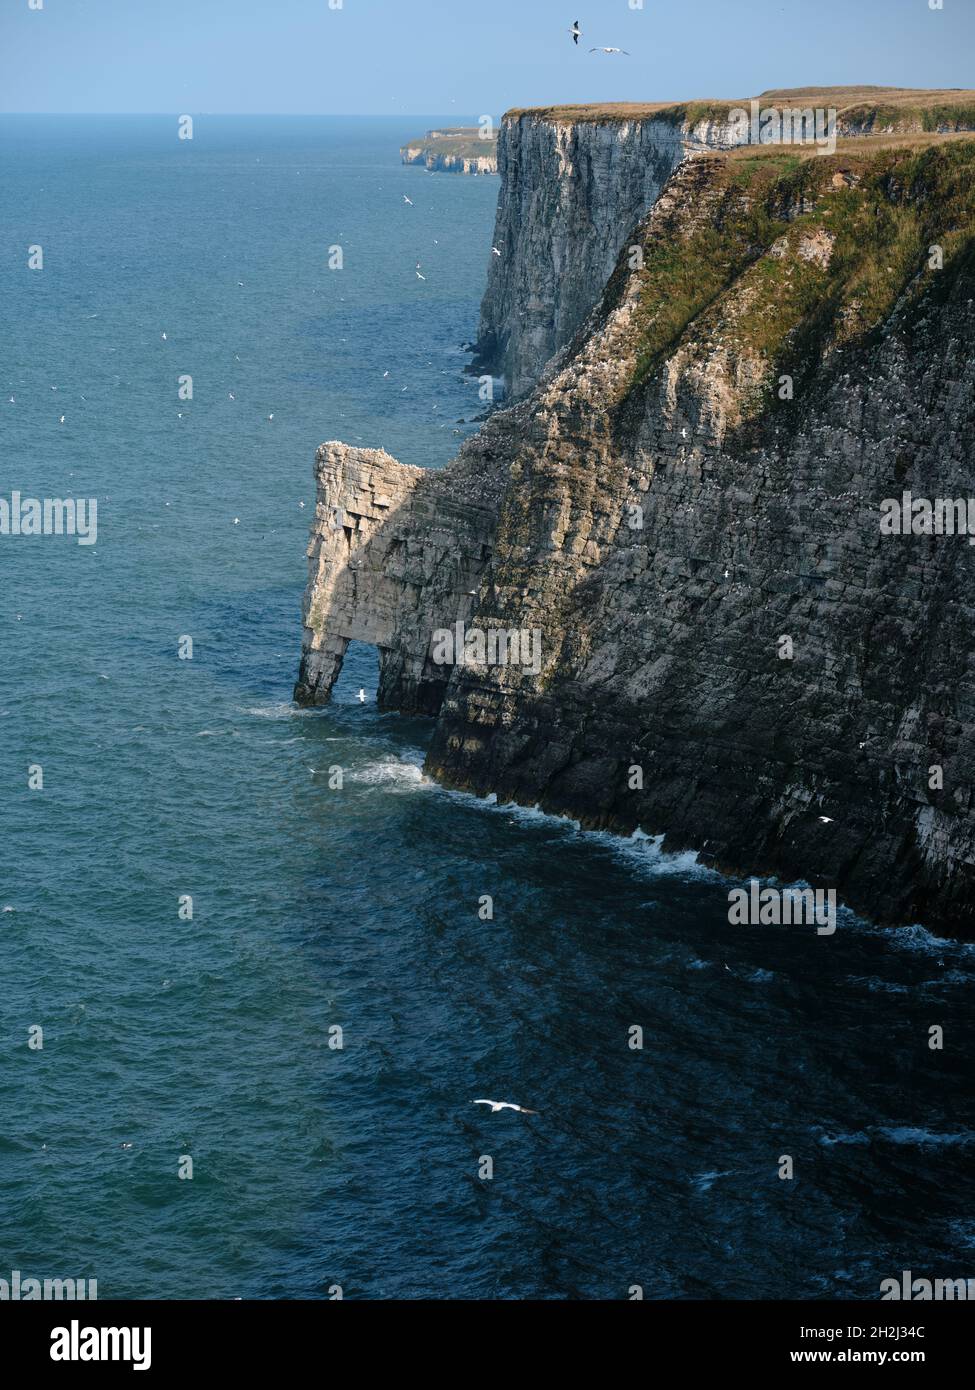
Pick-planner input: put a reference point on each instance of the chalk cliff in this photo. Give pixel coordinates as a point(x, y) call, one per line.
point(687, 508)
point(571, 192)
point(456, 150)
point(575, 182)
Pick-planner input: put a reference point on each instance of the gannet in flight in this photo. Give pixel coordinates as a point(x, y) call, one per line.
point(407, 200)
point(497, 1105)
point(609, 50)
point(576, 33)
point(495, 250)
point(826, 820)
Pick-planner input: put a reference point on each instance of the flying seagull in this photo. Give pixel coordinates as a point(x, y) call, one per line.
point(407, 200)
point(576, 33)
point(609, 50)
point(826, 820)
point(497, 1105)
point(495, 250)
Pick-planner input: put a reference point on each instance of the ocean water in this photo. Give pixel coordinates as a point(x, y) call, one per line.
point(316, 908)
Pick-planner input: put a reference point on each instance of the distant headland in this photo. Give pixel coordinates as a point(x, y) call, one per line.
point(454, 150)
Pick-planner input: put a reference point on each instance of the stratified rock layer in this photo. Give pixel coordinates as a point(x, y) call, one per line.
point(688, 509)
point(570, 194)
point(393, 556)
point(575, 182)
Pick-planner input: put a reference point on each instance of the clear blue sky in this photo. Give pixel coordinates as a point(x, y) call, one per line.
point(417, 56)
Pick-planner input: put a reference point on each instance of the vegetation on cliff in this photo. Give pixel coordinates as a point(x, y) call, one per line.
point(457, 147)
point(793, 255)
point(890, 109)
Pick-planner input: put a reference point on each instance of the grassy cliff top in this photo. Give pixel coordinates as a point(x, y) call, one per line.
point(905, 108)
point(464, 142)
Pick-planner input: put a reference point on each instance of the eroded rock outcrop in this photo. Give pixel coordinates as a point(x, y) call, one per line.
point(394, 555)
point(687, 509)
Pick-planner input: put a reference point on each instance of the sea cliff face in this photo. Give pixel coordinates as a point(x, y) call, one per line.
point(687, 512)
point(571, 192)
point(574, 185)
point(457, 150)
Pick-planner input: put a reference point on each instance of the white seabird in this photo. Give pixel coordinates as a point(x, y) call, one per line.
point(497, 1105)
point(576, 33)
point(609, 50)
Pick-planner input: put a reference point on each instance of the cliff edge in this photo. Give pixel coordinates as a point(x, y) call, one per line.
point(684, 518)
point(575, 180)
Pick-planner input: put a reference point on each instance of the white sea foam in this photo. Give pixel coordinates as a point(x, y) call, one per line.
point(281, 709)
point(705, 1181)
point(646, 852)
point(404, 773)
point(906, 1135)
point(639, 850)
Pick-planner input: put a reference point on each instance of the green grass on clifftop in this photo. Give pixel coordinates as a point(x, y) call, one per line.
point(897, 108)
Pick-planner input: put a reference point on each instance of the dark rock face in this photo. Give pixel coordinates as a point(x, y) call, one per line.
point(731, 649)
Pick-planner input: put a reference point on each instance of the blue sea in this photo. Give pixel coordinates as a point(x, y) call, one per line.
point(361, 1167)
